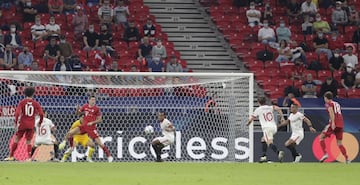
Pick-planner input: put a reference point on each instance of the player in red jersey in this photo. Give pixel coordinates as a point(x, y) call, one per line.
point(92, 116)
point(335, 126)
point(25, 114)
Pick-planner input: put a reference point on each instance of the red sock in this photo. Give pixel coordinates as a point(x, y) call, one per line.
point(323, 146)
point(29, 148)
point(71, 141)
point(343, 151)
point(106, 150)
point(13, 148)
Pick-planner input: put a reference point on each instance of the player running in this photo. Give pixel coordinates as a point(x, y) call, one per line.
point(295, 120)
point(43, 136)
point(335, 126)
point(92, 116)
point(268, 126)
point(82, 139)
point(168, 132)
point(25, 114)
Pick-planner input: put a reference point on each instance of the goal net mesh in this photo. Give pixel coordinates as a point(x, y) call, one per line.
point(205, 131)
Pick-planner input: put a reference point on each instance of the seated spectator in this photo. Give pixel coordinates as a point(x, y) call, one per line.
point(339, 17)
point(266, 34)
point(321, 45)
point(52, 50)
point(336, 62)
point(55, 6)
point(25, 59)
point(91, 39)
point(62, 64)
point(348, 77)
point(121, 13)
point(308, 8)
point(307, 26)
point(8, 58)
point(282, 32)
point(29, 11)
point(284, 52)
point(134, 79)
point(79, 22)
point(253, 15)
point(329, 85)
point(145, 50)
point(6, 4)
point(267, 15)
point(106, 13)
point(13, 39)
point(298, 71)
point(309, 87)
point(149, 29)
point(335, 42)
point(105, 38)
point(1, 37)
point(103, 59)
point(293, 11)
point(290, 99)
point(155, 65)
point(357, 80)
point(131, 33)
point(52, 29)
point(69, 6)
point(350, 58)
point(38, 30)
point(76, 64)
point(353, 16)
point(321, 25)
point(356, 36)
point(65, 48)
point(159, 51)
point(173, 65)
point(34, 66)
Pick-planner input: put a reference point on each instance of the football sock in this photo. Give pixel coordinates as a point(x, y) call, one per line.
point(71, 141)
point(91, 151)
point(274, 148)
point(343, 151)
point(157, 150)
point(29, 149)
point(323, 146)
point(106, 150)
point(292, 150)
point(66, 154)
point(13, 148)
point(33, 150)
point(56, 151)
point(264, 148)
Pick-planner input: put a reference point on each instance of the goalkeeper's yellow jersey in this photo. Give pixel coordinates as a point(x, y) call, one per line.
point(75, 124)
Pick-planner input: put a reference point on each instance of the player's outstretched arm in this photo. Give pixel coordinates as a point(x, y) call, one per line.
point(279, 111)
point(283, 123)
point(309, 124)
point(77, 111)
point(251, 119)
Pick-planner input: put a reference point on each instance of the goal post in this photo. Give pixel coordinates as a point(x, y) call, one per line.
point(209, 111)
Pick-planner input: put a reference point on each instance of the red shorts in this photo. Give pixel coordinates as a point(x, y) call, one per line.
point(92, 133)
point(29, 133)
point(337, 131)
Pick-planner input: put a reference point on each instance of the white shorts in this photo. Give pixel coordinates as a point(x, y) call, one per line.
point(165, 140)
point(268, 133)
point(43, 141)
point(297, 137)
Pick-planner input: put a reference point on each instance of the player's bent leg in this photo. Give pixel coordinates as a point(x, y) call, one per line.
point(106, 150)
point(91, 147)
point(67, 153)
point(323, 147)
point(291, 144)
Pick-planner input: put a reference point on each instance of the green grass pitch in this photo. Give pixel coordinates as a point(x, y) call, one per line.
point(169, 173)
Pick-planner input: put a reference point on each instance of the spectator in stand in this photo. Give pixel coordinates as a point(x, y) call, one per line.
point(91, 39)
point(106, 13)
point(267, 15)
point(348, 77)
point(65, 48)
point(335, 41)
point(353, 16)
point(356, 36)
point(38, 30)
point(284, 52)
point(13, 38)
point(309, 87)
point(149, 29)
point(52, 50)
point(103, 59)
point(320, 25)
point(25, 59)
point(266, 34)
point(121, 13)
point(6, 4)
point(282, 32)
point(69, 6)
point(357, 80)
point(307, 26)
point(8, 58)
point(329, 85)
point(1, 37)
point(34, 66)
point(293, 11)
point(29, 11)
point(321, 45)
point(52, 29)
point(308, 8)
point(62, 64)
point(290, 99)
point(134, 79)
point(350, 58)
point(155, 65)
point(159, 51)
point(336, 62)
point(253, 15)
point(105, 38)
point(145, 50)
point(131, 33)
point(79, 22)
point(298, 71)
point(173, 65)
point(55, 6)
point(92, 3)
point(339, 17)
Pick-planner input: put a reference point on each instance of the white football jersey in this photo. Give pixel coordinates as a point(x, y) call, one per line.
point(266, 116)
point(296, 122)
point(44, 131)
point(164, 125)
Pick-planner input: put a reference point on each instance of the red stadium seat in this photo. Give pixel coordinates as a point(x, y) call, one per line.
point(353, 93)
point(342, 93)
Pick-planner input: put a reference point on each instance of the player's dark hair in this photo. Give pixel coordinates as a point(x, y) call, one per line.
point(329, 95)
point(92, 96)
point(162, 112)
point(29, 91)
point(262, 100)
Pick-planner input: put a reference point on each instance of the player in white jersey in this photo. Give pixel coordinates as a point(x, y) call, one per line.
point(168, 132)
point(295, 120)
point(268, 126)
point(43, 136)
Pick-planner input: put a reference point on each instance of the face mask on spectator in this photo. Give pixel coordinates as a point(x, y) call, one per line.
point(12, 29)
point(348, 69)
point(52, 22)
point(336, 55)
point(252, 7)
point(318, 18)
point(320, 35)
point(91, 30)
point(62, 41)
point(266, 25)
point(28, 3)
point(282, 24)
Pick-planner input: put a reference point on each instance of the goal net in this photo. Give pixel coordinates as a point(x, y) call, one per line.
point(209, 111)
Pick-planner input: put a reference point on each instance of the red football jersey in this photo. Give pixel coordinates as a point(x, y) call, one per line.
point(339, 121)
point(25, 113)
point(90, 114)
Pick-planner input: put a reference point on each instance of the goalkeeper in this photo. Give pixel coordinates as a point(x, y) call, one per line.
point(82, 139)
